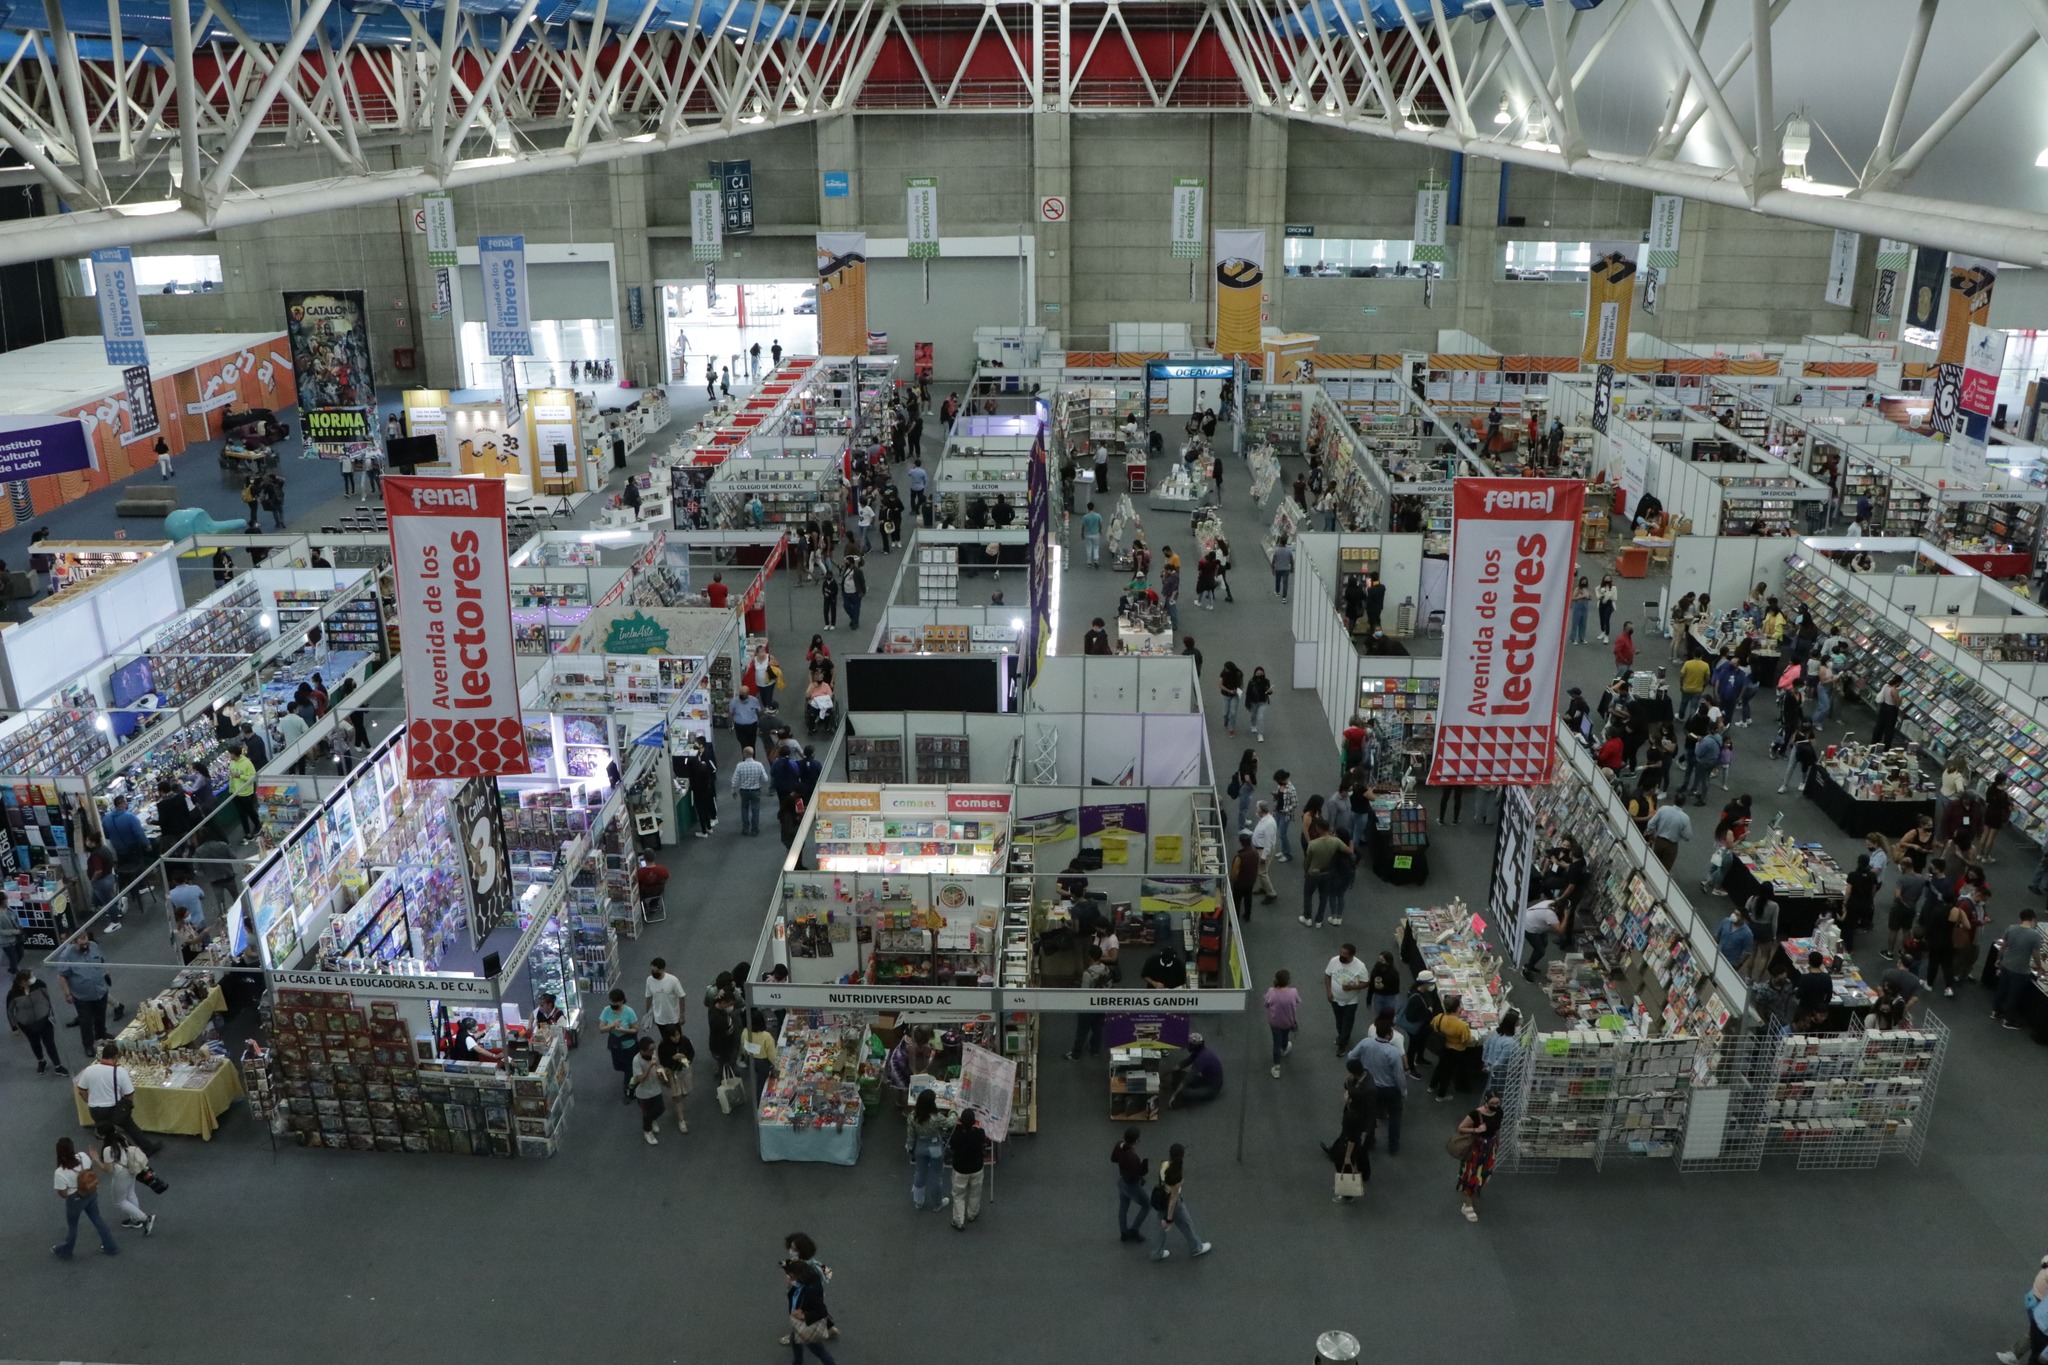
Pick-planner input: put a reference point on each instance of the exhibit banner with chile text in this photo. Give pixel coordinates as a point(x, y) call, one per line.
point(1240, 289)
point(329, 334)
point(461, 680)
point(1514, 544)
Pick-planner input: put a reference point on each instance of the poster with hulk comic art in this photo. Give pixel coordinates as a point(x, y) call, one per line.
point(329, 334)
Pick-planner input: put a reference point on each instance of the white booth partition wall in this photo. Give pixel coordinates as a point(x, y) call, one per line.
point(927, 746)
point(1727, 567)
point(1325, 656)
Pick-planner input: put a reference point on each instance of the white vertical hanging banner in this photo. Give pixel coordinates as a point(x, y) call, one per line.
point(1187, 216)
point(1842, 268)
point(508, 315)
point(1667, 216)
point(923, 197)
point(1432, 212)
point(113, 278)
point(1513, 545)
point(707, 221)
point(1893, 260)
point(438, 209)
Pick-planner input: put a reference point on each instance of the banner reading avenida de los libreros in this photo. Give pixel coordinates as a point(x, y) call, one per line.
point(455, 616)
point(1513, 547)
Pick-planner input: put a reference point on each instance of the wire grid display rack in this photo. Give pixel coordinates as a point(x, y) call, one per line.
point(1599, 1096)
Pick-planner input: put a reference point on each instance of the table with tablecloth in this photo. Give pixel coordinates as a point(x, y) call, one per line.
point(1798, 910)
point(193, 1110)
point(833, 1144)
point(186, 1032)
point(1857, 816)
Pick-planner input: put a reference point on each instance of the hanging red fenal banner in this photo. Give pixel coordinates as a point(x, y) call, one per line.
point(455, 627)
point(1514, 546)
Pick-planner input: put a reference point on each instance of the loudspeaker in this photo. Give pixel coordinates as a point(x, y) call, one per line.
point(561, 458)
point(491, 964)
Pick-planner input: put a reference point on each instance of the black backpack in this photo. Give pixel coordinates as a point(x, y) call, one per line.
point(1159, 1198)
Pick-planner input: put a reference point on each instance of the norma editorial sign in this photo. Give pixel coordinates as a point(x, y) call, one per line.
point(1513, 546)
point(785, 995)
point(455, 613)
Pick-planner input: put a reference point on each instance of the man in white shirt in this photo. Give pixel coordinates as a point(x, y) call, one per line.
point(1539, 922)
point(108, 1089)
point(1667, 828)
point(1266, 839)
point(664, 999)
point(1345, 977)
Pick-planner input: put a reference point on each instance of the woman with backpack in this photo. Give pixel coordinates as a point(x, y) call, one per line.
point(120, 1163)
point(78, 1185)
point(1172, 1207)
point(1231, 682)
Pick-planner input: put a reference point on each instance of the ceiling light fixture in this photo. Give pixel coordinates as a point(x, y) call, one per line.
point(2042, 160)
point(1503, 116)
point(1798, 143)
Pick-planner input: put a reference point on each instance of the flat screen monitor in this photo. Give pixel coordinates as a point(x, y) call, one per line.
point(917, 682)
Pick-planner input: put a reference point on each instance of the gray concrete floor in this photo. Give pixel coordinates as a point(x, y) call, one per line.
point(660, 1254)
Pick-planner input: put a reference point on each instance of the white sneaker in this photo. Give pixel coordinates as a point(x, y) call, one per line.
point(652, 1140)
point(1306, 920)
point(1276, 1071)
point(1205, 1248)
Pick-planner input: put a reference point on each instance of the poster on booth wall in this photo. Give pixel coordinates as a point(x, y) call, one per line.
point(1610, 293)
point(486, 867)
point(329, 335)
point(842, 293)
point(1513, 546)
point(988, 1085)
point(1240, 289)
point(455, 615)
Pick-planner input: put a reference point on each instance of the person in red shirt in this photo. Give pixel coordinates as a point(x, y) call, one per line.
point(1625, 646)
point(648, 880)
point(716, 592)
point(1613, 751)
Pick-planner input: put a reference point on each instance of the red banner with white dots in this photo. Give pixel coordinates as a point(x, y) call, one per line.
point(455, 627)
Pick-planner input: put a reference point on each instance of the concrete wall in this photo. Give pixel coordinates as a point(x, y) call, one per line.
point(1741, 276)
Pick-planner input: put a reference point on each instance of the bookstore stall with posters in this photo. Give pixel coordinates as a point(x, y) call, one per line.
point(1952, 700)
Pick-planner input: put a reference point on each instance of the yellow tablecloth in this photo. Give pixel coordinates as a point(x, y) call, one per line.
point(194, 1112)
point(192, 1025)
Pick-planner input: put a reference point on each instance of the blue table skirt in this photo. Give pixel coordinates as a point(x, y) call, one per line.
point(835, 1146)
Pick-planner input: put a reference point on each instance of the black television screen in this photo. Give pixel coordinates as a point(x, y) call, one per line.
point(407, 451)
point(926, 682)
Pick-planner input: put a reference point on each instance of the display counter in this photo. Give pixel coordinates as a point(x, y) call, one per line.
point(1853, 995)
point(1804, 881)
point(1996, 563)
point(1455, 953)
point(812, 1110)
point(1399, 841)
point(182, 1098)
point(1862, 799)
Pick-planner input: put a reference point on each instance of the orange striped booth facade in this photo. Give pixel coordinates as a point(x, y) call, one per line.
point(189, 405)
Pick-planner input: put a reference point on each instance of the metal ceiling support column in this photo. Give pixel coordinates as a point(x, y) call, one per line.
point(1614, 23)
point(593, 46)
point(1768, 172)
point(508, 39)
point(1717, 103)
point(1909, 161)
point(1460, 110)
point(74, 103)
point(1727, 74)
point(1541, 88)
point(1902, 91)
point(254, 58)
point(120, 51)
point(444, 71)
point(33, 152)
point(191, 188)
point(251, 119)
point(1558, 87)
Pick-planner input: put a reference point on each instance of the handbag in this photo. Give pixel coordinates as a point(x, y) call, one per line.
point(1349, 1185)
point(1460, 1145)
point(732, 1090)
point(804, 1333)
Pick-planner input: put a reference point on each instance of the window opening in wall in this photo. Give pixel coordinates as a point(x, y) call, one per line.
point(695, 328)
point(1555, 262)
point(160, 275)
point(560, 345)
point(1340, 258)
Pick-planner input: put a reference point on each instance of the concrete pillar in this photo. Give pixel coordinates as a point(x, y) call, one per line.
point(1052, 173)
point(640, 357)
point(1265, 194)
point(838, 150)
point(1465, 300)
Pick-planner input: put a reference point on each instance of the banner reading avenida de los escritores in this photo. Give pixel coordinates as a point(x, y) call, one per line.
point(455, 615)
point(1513, 547)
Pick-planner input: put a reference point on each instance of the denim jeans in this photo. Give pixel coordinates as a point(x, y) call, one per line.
point(750, 812)
point(928, 1176)
point(1577, 635)
point(1717, 872)
point(1334, 887)
point(1280, 844)
point(1280, 1040)
point(1346, 1017)
point(1824, 704)
point(1696, 781)
point(87, 1205)
point(851, 601)
point(1088, 1034)
point(1312, 895)
point(1785, 783)
point(1246, 795)
point(1131, 1194)
point(1389, 1102)
point(1230, 710)
point(2012, 993)
point(1094, 544)
point(1184, 1219)
point(1258, 716)
point(1281, 578)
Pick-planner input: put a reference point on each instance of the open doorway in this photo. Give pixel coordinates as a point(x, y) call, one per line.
point(724, 329)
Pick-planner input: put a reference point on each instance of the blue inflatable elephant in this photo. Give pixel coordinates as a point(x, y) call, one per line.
point(197, 521)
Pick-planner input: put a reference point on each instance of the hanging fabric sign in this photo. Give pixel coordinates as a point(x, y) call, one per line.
point(1842, 268)
point(455, 612)
point(1892, 259)
point(1240, 289)
point(1610, 290)
point(439, 209)
point(1667, 215)
point(1432, 210)
point(113, 278)
point(924, 216)
point(508, 316)
point(1187, 216)
point(1513, 545)
point(707, 222)
point(142, 415)
point(842, 293)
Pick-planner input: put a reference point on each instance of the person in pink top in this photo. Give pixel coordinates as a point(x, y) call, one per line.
point(1283, 1014)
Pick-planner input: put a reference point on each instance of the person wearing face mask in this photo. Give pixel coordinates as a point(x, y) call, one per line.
point(1474, 1148)
point(1258, 695)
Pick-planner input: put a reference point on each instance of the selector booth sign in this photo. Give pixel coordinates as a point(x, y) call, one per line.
point(1514, 544)
point(455, 615)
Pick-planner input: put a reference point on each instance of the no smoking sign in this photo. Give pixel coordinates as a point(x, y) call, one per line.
point(1052, 209)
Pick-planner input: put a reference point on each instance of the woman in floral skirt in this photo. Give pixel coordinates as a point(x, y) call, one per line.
point(1477, 1132)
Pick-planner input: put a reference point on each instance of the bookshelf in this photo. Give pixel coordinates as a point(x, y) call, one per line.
point(878, 843)
point(941, 759)
point(1405, 711)
point(1275, 419)
point(938, 575)
point(875, 761)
